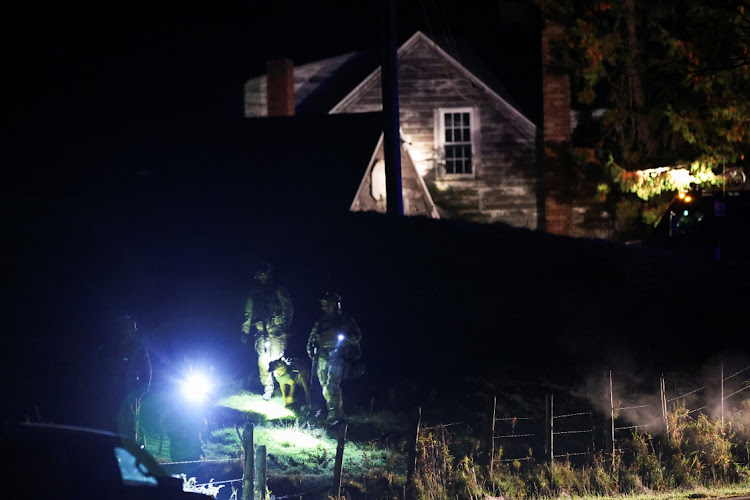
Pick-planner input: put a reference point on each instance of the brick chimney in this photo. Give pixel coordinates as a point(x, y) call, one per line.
point(280, 79)
point(558, 182)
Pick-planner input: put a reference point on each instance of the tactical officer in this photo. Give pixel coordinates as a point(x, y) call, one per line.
point(332, 345)
point(126, 370)
point(268, 317)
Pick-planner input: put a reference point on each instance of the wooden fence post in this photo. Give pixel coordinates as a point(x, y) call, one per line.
point(339, 463)
point(249, 469)
point(663, 390)
point(612, 415)
point(549, 431)
point(261, 473)
point(412, 465)
point(492, 437)
point(722, 397)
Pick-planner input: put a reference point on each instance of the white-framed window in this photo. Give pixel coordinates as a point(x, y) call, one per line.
point(455, 133)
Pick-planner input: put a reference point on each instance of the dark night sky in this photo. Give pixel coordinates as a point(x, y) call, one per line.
point(90, 59)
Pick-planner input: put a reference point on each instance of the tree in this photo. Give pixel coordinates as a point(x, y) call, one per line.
point(673, 81)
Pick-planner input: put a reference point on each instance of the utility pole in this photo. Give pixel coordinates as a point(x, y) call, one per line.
point(391, 126)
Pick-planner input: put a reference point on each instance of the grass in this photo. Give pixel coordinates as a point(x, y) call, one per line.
point(301, 452)
point(251, 403)
point(727, 491)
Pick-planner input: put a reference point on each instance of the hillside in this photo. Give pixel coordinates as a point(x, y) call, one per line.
point(437, 301)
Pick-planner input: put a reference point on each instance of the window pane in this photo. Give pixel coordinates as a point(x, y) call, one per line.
point(457, 142)
point(467, 159)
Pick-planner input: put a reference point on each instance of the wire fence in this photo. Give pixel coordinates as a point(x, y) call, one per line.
point(634, 416)
point(568, 435)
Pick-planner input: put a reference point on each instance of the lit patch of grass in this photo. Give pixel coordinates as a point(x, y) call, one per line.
point(287, 437)
point(294, 449)
point(248, 402)
point(306, 450)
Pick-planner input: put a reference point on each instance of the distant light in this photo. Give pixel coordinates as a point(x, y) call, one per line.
point(341, 337)
point(681, 195)
point(685, 213)
point(688, 198)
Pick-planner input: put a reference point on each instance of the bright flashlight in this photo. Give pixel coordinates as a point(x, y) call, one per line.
point(196, 387)
point(341, 337)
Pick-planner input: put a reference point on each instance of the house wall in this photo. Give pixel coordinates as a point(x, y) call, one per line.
point(503, 187)
point(256, 100)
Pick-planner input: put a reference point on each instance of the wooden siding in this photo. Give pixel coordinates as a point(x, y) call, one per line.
point(504, 186)
point(256, 103)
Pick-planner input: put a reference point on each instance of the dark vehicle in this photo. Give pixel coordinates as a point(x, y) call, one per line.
point(61, 462)
point(712, 225)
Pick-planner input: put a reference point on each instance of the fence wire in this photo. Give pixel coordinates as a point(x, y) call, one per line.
point(513, 436)
point(440, 425)
point(746, 368)
point(632, 407)
point(217, 461)
point(686, 394)
point(220, 482)
point(572, 414)
point(735, 392)
point(573, 432)
point(572, 454)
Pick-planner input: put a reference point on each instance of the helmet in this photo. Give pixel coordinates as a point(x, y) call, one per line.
point(331, 297)
point(263, 268)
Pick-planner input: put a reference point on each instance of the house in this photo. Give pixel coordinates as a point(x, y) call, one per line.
point(467, 151)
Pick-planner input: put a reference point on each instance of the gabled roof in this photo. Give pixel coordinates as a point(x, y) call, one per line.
point(489, 83)
point(325, 86)
point(320, 84)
